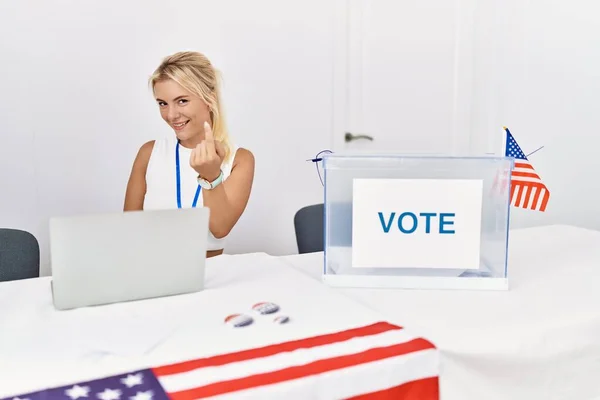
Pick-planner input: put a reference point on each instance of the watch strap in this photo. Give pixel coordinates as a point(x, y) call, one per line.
point(211, 185)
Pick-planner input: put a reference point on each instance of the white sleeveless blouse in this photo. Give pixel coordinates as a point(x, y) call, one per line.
point(161, 181)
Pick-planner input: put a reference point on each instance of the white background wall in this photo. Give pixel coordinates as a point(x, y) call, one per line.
point(75, 106)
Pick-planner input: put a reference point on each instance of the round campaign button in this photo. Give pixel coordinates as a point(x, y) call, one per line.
point(238, 320)
point(265, 308)
point(282, 319)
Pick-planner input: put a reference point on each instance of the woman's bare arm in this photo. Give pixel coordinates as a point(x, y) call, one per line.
point(228, 201)
point(136, 186)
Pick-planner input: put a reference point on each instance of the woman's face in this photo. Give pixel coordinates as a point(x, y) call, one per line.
point(182, 110)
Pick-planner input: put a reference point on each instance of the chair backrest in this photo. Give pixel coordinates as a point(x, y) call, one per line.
point(19, 255)
point(308, 224)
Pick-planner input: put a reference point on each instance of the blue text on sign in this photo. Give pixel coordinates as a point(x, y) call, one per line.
point(408, 222)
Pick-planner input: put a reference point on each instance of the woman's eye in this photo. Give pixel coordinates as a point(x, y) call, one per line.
point(183, 101)
point(162, 103)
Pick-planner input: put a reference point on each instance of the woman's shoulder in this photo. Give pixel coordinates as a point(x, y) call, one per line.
point(242, 158)
point(144, 153)
point(238, 157)
point(147, 147)
point(242, 155)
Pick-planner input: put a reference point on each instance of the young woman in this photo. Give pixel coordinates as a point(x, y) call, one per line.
point(198, 166)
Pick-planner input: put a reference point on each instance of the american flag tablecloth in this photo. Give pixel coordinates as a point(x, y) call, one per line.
point(377, 361)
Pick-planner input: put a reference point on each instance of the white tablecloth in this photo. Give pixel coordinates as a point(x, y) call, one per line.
point(43, 348)
point(539, 340)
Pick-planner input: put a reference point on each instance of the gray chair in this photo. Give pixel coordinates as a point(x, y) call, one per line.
point(308, 224)
point(19, 255)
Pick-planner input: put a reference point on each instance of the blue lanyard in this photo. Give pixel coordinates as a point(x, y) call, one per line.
point(179, 181)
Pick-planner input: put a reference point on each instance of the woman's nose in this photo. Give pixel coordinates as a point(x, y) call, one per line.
point(172, 114)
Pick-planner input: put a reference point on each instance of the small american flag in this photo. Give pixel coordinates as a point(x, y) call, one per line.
point(369, 362)
point(527, 189)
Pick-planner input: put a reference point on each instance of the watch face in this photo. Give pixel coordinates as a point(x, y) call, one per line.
point(204, 184)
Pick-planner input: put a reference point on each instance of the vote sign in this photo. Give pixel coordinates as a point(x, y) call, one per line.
point(416, 223)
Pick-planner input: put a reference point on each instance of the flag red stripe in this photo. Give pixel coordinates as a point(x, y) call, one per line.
point(536, 197)
point(525, 174)
point(523, 165)
point(270, 350)
point(545, 200)
point(522, 189)
point(526, 201)
point(422, 389)
point(526, 183)
point(301, 371)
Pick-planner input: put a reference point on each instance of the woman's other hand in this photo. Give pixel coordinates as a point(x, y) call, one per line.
point(208, 155)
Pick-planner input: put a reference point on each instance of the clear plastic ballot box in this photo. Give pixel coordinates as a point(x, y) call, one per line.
point(417, 222)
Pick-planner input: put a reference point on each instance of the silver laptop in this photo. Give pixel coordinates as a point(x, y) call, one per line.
point(110, 258)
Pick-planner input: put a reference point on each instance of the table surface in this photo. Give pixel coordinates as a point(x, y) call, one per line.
point(538, 340)
point(42, 348)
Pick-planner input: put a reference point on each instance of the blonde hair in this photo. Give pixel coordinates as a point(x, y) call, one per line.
point(194, 72)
